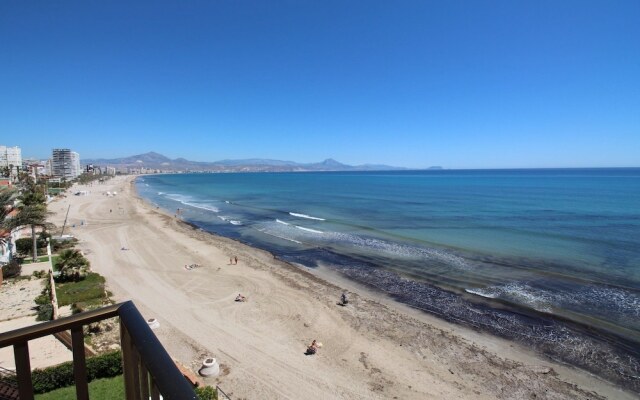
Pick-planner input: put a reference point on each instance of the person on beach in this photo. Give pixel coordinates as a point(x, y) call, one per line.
point(235, 260)
point(231, 261)
point(241, 298)
point(313, 348)
point(343, 299)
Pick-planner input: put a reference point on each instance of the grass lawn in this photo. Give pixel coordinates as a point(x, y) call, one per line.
point(29, 259)
point(88, 290)
point(100, 389)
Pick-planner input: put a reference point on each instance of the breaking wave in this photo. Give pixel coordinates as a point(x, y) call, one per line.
point(306, 216)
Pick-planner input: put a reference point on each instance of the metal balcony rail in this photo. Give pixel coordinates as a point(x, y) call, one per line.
point(148, 369)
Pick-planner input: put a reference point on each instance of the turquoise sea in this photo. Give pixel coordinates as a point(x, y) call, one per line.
point(548, 257)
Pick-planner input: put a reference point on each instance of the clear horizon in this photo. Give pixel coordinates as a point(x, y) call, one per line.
point(410, 84)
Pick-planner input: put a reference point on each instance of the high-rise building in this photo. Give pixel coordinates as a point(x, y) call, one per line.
point(11, 157)
point(65, 164)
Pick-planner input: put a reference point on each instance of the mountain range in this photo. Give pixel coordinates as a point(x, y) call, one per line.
point(153, 160)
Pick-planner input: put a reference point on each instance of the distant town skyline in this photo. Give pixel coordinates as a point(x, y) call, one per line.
point(410, 84)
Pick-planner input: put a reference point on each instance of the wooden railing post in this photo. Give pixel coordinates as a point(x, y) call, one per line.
point(79, 364)
point(23, 370)
point(155, 393)
point(129, 365)
point(144, 379)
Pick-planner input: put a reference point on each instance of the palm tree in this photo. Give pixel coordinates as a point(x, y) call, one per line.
point(70, 259)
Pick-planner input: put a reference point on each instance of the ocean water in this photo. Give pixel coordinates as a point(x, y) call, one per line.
point(546, 257)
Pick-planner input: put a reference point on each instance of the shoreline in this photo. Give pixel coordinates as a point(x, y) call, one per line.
point(414, 356)
point(605, 353)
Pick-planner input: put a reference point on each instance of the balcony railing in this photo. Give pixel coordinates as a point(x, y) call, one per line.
point(148, 370)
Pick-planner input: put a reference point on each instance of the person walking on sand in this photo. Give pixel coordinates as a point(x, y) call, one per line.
point(236, 260)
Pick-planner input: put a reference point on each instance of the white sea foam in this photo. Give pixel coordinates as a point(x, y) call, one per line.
point(160, 193)
point(401, 250)
point(279, 236)
point(308, 229)
point(601, 300)
point(482, 293)
point(202, 206)
point(386, 248)
point(189, 201)
point(306, 216)
point(179, 197)
point(519, 292)
point(229, 220)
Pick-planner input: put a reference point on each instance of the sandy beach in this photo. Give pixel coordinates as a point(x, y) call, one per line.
point(372, 349)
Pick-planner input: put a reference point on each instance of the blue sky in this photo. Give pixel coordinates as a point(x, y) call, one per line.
point(462, 84)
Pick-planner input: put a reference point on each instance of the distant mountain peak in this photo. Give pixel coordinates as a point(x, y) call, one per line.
point(151, 156)
point(330, 162)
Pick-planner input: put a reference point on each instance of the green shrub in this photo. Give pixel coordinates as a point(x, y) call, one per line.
point(57, 245)
point(45, 312)
point(207, 393)
point(25, 245)
point(45, 295)
point(104, 366)
point(12, 269)
point(39, 274)
point(76, 309)
point(48, 379)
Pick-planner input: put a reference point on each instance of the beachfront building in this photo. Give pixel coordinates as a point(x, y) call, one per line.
point(65, 164)
point(34, 167)
point(11, 157)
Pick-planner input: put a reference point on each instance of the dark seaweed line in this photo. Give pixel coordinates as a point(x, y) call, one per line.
point(611, 358)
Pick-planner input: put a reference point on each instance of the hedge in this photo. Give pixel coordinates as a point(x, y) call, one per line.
point(11, 270)
point(25, 245)
point(103, 366)
point(45, 312)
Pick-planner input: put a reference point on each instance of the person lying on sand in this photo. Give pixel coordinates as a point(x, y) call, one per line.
point(313, 347)
point(240, 297)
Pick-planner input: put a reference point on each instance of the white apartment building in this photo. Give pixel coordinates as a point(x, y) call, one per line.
point(65, 164)
point(11, 156)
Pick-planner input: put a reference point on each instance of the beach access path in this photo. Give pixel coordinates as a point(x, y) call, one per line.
point(372, 349)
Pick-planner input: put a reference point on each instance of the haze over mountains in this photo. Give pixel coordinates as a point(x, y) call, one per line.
point(153, 160)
